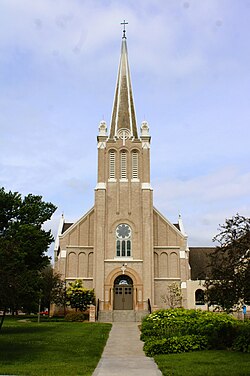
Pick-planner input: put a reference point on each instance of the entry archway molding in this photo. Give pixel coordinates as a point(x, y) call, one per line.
point(110, 279)
point(137, 286)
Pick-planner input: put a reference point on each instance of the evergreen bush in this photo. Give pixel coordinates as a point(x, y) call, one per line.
point(76, 316)
point(242, 341)
point(219, 329)
point(176, 344)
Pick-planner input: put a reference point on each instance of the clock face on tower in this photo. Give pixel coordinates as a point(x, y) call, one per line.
point(123, 231)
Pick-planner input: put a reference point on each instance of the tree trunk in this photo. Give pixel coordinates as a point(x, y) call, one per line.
point(49, 309)
point(2, 318)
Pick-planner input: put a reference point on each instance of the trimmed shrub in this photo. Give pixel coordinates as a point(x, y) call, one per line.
point(76, 316)
point(242, 341)
point(164, 323)
point(174, 345)
point(220, 329)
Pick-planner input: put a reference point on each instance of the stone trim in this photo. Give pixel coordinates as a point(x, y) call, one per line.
point(122, 259)
point(146, 186)
point(109, 280)
point(167, 278)
point(82, 278)
point(81, 246)
point(100, 185)
point(135, 180)
point(182, 254)
point(123, 180)
point(166, 247)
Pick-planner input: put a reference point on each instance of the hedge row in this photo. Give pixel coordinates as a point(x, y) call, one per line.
point(212, 330)
point(76, 316)
point(175, 345)
point(242, 340)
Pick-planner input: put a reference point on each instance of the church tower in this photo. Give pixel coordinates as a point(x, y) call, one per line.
point(123, 205)
point(123, 247)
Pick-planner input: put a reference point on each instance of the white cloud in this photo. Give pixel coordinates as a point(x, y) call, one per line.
point(190, 70)
point(205, 201)
point(76, 31)
point(221, 184)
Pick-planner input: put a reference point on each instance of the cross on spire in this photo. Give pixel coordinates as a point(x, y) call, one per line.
point(124, 23)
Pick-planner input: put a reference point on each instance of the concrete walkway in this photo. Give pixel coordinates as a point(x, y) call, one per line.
point(123, 354)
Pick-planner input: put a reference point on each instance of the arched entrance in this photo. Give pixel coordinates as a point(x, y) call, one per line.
point(123, 292)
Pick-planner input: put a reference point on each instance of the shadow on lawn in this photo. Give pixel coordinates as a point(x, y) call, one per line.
point(22, 342)
point(13, 352)
point(24, 329)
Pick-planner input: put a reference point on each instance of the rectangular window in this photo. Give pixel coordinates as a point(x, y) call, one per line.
point(123, 165)
point(112, 165)
point(118, 249)
point(134, 165)
point(123, 248)
point(128, 248)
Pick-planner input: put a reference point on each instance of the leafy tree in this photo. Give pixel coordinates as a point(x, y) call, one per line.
point(78, 297)
point(23, 246)
point(59, 296)
point(52, 288)
point(229, 266)
point(173, 297)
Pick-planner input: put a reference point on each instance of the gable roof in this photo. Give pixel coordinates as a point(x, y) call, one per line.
point(175, 226)
point(66, 226)
point(71, 226)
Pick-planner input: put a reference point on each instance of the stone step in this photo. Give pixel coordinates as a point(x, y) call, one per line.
point(105, 316)
point(121, 316)
point(124, 316)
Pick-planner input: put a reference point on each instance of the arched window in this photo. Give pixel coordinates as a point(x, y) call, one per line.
point(199, 297)
point(163, 265)
point(135, 165)
point(82, 265)
point(123, 240)
point(90, 264)
point(123, 174)
point(72, 265)
point(173, 265)
point(112, 164)
point(156, 264)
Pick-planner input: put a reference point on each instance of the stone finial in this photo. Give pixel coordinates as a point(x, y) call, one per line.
point(181, 226)
point(102, 128)
point(144, 128)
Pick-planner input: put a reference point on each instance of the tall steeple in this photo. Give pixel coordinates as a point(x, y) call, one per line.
point(123, 115)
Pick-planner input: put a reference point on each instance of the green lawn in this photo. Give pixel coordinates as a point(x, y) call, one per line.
point(205, 363)
point(51, 348)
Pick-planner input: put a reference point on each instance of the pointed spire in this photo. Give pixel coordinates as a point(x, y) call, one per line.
point(123, 121)
point(59, 232)
point(181, 226)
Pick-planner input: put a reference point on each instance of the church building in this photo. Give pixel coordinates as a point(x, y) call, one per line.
point(124, 247)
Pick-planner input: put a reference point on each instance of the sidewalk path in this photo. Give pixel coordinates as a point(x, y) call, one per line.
point(123, 354)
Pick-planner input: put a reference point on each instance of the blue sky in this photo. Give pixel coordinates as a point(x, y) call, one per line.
point(190, 68)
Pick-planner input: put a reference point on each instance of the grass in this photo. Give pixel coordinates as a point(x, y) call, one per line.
point(205, 363)
point(51, 348)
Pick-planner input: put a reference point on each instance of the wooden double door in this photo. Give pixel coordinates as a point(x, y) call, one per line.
point(123, 293)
